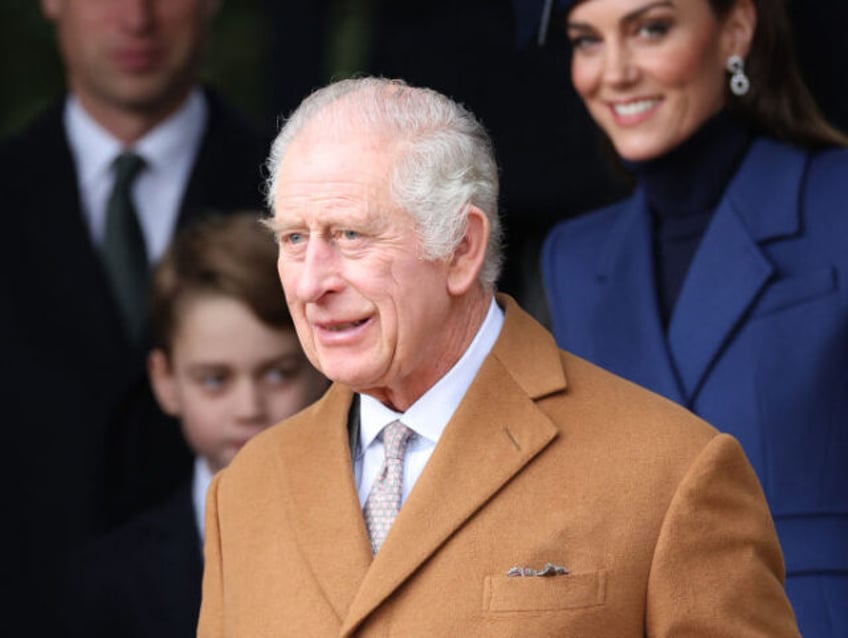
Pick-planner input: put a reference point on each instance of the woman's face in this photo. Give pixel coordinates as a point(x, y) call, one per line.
point(651, 72)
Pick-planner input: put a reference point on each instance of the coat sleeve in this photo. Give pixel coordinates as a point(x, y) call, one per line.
point(717, 569)
point(211, 621)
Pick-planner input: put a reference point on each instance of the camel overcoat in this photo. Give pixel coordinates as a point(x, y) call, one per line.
point(658, 519)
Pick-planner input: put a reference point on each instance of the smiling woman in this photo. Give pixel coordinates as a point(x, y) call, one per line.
point(652, 73)
point(731, 249)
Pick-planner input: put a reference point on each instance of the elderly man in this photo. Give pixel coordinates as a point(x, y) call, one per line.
point(463, 476)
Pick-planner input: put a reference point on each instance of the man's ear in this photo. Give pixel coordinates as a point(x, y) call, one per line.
point(467, 259)
point(738, 28)
point(163, 383)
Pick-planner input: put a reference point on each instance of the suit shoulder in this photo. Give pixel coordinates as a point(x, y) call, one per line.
point(234, 128)
point(40, 137)
point(591, 226)
point(827, 173)
point(822, 202)
point(579, 240)
point(625, 411)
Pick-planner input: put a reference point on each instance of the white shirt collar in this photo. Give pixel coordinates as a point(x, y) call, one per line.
point(430, 414)
point(176, 136)
point(169, 151)
point(94, 148)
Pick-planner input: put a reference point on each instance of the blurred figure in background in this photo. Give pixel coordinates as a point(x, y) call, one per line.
point(227, 363)
point(95, 188)
point(721, 282)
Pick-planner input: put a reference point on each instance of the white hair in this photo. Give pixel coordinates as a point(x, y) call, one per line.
point(445, 160)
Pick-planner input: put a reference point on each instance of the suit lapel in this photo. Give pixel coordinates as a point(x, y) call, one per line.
point(500, 425)
point(61, 256)
point(729, 269)
point(325, 507)
point(628, 325)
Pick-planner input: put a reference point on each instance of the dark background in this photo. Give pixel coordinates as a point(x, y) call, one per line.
point(266, 55)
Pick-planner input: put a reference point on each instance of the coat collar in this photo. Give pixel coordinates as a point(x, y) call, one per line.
point(634, 332)
point(727, 273)
point(497, 418)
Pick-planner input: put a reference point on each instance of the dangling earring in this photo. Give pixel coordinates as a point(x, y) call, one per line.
point(739, 82)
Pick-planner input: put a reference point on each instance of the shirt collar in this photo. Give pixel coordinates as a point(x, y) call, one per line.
point(94, 148)
point(176, 136)
point(430, 414)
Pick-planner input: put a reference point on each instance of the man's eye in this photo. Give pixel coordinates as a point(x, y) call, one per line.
point(293, 238)
point(349, 234)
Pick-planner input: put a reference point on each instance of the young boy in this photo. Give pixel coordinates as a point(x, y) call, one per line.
point(227, 364)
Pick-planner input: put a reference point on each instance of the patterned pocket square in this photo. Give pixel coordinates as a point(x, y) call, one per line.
point(548, 570)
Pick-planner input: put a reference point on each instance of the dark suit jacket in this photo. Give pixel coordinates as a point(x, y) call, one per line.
point(548, 458)
point(141, 580)
point(89, 445)
point(757, 343)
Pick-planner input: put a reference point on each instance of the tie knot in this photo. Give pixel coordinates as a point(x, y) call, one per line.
point(127, 166)
point(395, 437)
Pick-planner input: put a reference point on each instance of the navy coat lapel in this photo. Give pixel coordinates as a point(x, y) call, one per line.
point(629, 304)
point(729, 270)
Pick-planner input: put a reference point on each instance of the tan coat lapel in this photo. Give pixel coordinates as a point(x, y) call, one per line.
point(316, 465)
point(495, 432)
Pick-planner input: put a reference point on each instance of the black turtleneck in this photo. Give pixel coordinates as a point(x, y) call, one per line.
point(682, 189)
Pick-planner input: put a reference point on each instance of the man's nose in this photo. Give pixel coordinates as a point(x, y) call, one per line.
point(135, 15)
point(319, 270)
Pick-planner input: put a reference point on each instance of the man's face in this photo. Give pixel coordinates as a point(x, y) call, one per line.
point(369, 311)
point(131, 55)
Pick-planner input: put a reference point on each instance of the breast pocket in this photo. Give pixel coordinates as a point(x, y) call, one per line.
point(795, 290)
point(506, 594)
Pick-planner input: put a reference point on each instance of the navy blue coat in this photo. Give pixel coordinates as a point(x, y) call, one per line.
point(757, 343)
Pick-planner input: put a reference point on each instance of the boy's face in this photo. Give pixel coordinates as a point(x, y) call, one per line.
point(230, 376)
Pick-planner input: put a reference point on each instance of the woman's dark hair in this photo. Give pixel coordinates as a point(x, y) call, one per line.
point(229, 255)
point(778, 103)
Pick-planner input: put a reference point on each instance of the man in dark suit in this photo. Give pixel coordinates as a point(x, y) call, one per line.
point(92, 445)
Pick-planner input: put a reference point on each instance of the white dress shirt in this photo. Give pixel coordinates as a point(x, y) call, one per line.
point(169, 151)
point(427, 417)
point(200, 481)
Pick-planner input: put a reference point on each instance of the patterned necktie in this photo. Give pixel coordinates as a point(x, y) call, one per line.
point(123, 251)
point(383, 501)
